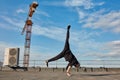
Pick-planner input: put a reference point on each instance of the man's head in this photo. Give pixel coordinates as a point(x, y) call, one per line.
point(77, 65)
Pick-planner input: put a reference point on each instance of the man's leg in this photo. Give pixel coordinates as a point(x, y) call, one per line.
point(55, 58)
point(67, 38)
point(66, 47)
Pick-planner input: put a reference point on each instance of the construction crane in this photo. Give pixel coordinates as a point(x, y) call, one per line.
point(28, 28)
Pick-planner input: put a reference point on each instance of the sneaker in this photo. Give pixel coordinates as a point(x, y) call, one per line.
point(46, 62)
point(68, 27)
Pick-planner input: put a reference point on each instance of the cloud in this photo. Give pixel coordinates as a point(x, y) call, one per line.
point(109, 50)
point(81, 14)
point(97, 19)
point(79, 39)
point(100, 3)
point(113, 46)
point(102, 20)
point(12, 21)
point(42, 13)
point(20, 11)
point(53, 3)
point(51, 32)
point(86, 4)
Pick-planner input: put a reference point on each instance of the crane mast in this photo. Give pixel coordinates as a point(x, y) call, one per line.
point(28, 28)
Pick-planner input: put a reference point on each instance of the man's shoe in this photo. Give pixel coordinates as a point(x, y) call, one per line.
point(68, 27)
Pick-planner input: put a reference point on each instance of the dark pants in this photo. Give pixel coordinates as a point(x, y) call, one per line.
point(66, 53)
point(66, 48)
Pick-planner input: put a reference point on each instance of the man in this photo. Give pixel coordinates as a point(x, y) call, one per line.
point(67, 54)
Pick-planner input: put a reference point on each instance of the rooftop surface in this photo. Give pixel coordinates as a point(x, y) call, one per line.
point(59, 74)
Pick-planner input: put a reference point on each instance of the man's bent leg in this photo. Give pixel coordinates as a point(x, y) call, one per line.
point(55, 58)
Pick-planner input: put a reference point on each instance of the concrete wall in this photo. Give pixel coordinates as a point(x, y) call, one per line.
point(82, 69)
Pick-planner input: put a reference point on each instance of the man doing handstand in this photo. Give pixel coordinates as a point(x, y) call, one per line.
point(67, 54)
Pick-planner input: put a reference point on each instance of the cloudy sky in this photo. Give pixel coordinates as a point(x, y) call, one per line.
point(94, 34)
